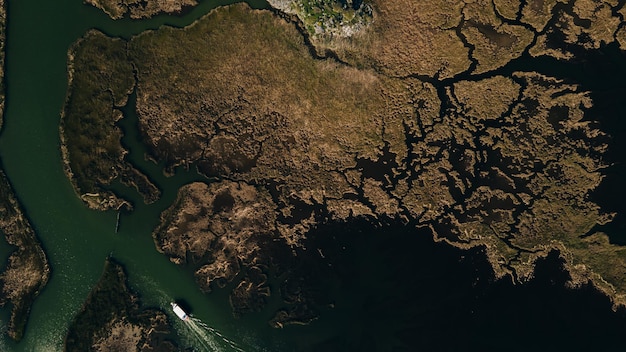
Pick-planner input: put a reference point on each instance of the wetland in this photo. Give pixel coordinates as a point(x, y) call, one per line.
point(299, 183)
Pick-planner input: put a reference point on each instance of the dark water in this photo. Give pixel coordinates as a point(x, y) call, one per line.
point(394, 289)
point(391, 288)
point(604, 76)
point(544, 315)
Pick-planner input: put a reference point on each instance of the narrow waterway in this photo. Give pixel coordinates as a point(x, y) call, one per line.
point(390, 289)
point(76, 239)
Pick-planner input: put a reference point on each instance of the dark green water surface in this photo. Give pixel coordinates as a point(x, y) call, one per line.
point(392, 288)
point(76, 239)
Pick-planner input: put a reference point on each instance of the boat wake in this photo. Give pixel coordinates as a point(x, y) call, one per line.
point(210, 339)
point(202, 336)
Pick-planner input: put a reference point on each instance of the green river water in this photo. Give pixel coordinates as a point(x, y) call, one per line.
point(76, 239)
point(392, 287)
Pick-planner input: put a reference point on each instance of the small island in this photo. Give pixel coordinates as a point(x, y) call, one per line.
point(137, 9)
point(111, 319)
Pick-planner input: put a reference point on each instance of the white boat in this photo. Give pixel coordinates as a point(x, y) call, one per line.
point(179, 312)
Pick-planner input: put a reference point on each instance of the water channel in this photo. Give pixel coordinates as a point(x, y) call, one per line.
point(76, 239)
point(400, 292)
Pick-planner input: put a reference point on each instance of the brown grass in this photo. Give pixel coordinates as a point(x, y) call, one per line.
point(411, 38)
point(250, 74)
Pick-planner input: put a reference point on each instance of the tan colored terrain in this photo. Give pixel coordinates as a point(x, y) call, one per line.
point(587, 25)
point(27, 270)
point(117, 9)
point(111, 319)
point(409, 38)
point(277, 114)
point(225, 227)
point(503, 162)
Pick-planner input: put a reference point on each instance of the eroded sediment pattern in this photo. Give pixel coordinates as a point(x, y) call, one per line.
point(408, 122)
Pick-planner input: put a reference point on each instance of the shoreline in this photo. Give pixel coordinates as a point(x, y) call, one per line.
point(112, 318)
point(515, 220)
point(90, 173)
point(26, 271)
